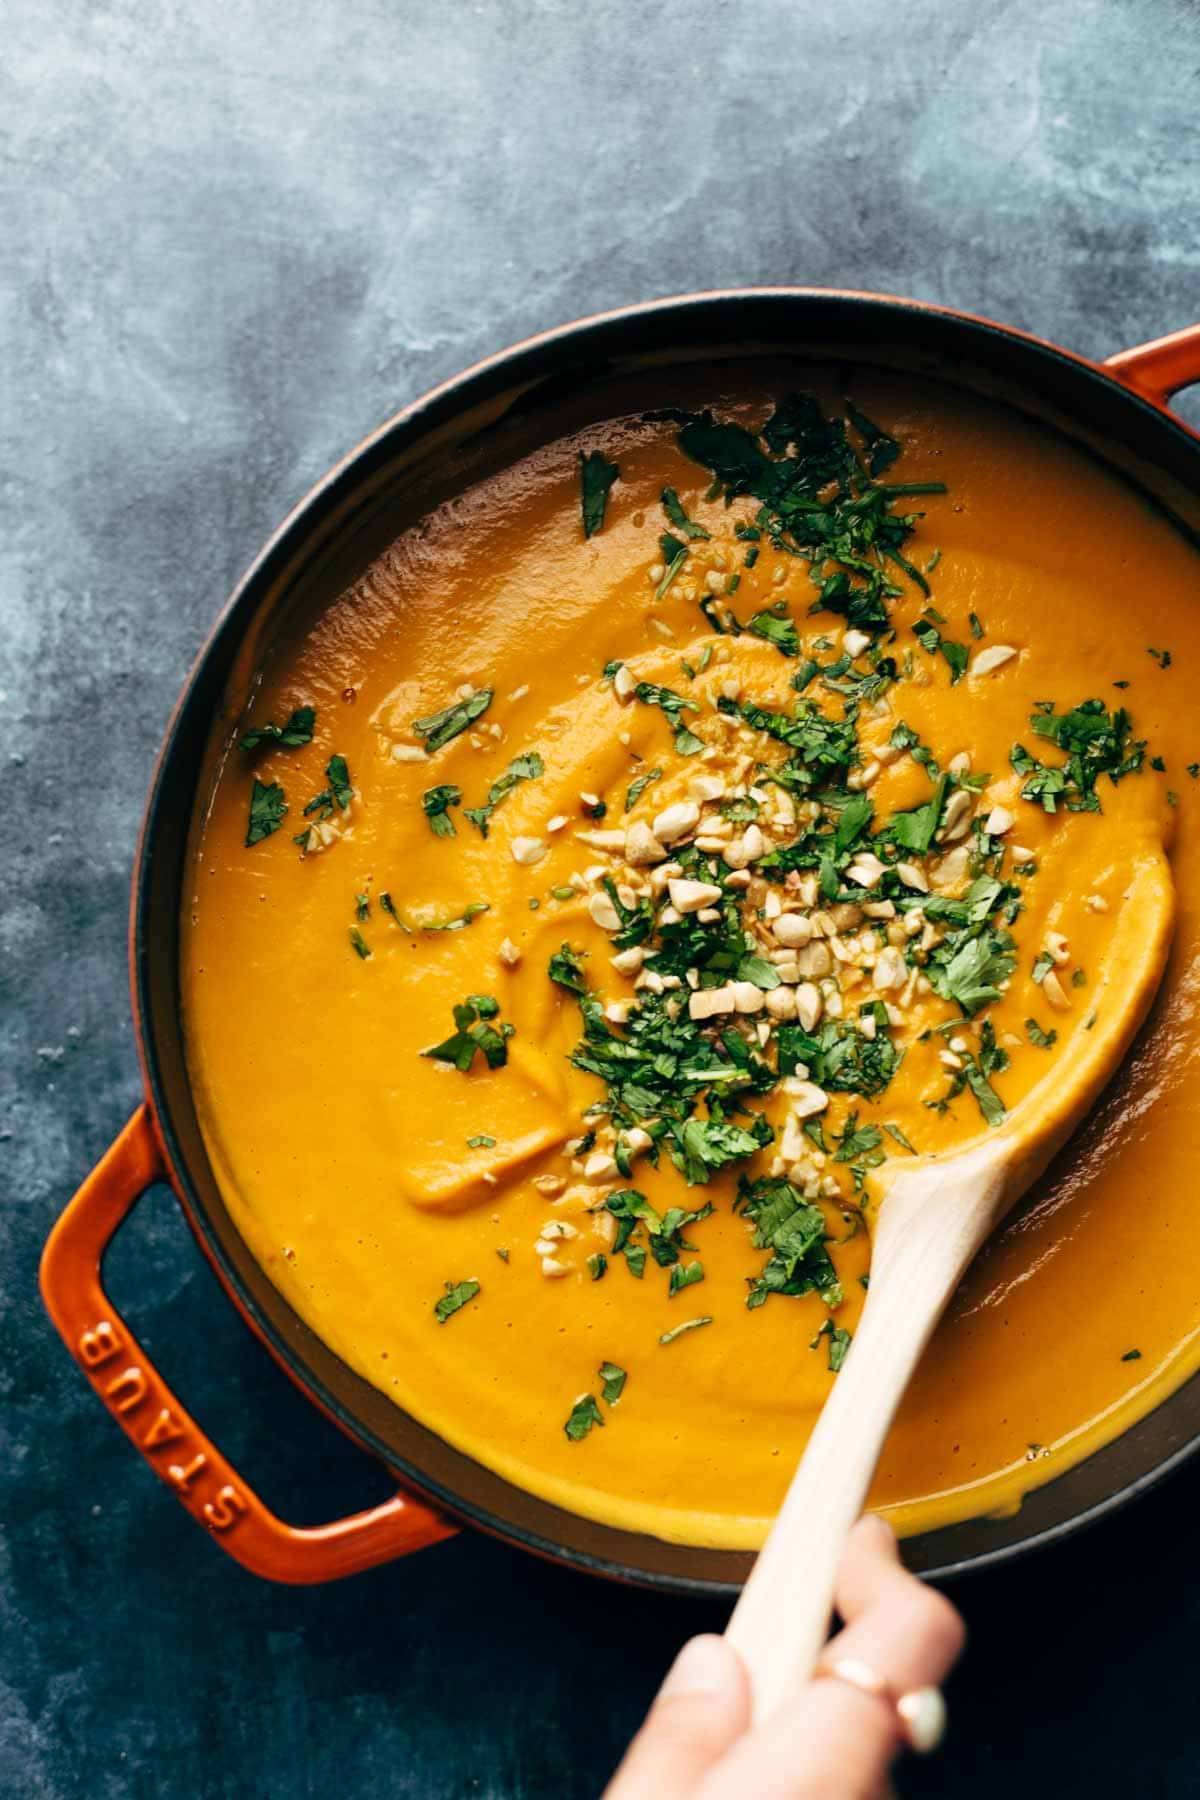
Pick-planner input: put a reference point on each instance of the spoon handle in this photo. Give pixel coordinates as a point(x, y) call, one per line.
point(927, 1234)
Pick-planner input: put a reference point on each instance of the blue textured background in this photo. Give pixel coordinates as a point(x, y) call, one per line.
point(234, 238)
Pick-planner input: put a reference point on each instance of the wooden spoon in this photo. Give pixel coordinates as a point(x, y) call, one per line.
point(934, 1215)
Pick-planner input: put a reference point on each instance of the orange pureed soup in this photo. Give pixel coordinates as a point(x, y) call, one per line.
point(580, 919)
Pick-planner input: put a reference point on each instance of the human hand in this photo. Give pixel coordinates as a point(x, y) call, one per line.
point(837, 1741)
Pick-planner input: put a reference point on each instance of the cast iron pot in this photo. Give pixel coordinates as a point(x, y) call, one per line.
point(497, 411)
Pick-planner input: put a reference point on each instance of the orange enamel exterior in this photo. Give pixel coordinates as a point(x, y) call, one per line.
point(122, 1376)
point(156, 1424)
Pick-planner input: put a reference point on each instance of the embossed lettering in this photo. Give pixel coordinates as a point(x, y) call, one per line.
point(100, 1344)
point(163, 1431)
point(225, 1510)
point(182, 1474)
point(126, 1390)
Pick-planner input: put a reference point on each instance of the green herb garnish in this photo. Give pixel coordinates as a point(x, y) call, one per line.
point(674, 706)
point(474, 1034)
point(584, 1414)
point(1096, 743)
point(930, 638)
point(440, 728)
point(292, 736)
point(267, 811)
point(817, 500)
point(678, 1331)
point(778, 629)
point(458, 923)
point(455, 1298)
point(437, 802)
point(838, 1340)
point(596, 476)
point(337, 796)
point(522, 768)
point(894, 1131)
point(614, 1379)
point(794, 1233)
point(638, 786)
point(673, 507)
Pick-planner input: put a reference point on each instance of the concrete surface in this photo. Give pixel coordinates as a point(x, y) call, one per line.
point(235, 237)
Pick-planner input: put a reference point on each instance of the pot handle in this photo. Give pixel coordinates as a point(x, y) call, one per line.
point(1163, 366)
point(156, 1424)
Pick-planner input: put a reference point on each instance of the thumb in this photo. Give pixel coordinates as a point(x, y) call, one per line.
point(702, 1706)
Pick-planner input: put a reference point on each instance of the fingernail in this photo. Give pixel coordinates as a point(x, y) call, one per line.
point(702, 1667)
point(924, 1715)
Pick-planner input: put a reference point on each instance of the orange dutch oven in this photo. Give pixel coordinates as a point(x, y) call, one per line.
point(1119, 409)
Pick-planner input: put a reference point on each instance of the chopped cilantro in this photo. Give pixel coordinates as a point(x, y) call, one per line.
point(992, 1060)
point(894, 1131)
point(1161, 657)
point(674, 706)
point(1132, 1356)
point(584, 1414)
point(455, 1298)
point(459, 923)
point(388, 905)
point(337, 796)
point(437, 802)
point(882, 448)
point(597, 1264)
point(566, 968)
point(596, 476)
point(638, 786)
point(481, 1141)
point(522, 768)
point(1044, 1040)
point(838, 1340)
point(794, 1232)
point(673, 507)
point(359, 943)
point(856, 1139)
point(930, 638)
point(778, 630)
point(817, 500)
point(915, 830)
point(684, 1275)
point(825, 747)
point(292, 736)
point(267, 811)
point(674, 554)
point(839, 1057)
point(663, 1231)
point(972, 966)
point(439, 728)
point(614, 1379)
point(678, 1331)
point(1096, 742)
point(701, 1147)
point(474, 1034)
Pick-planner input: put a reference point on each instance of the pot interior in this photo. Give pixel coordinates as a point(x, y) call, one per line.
point(457, 436)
